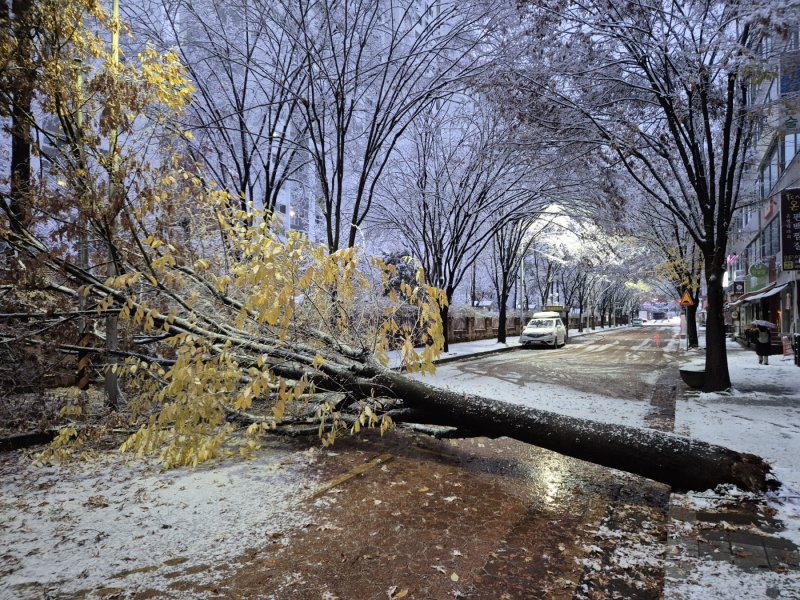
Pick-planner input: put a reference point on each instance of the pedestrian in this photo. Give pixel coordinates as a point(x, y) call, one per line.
point(762, 345)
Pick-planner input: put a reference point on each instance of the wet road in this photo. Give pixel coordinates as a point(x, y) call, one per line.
point(624, 363)
point(625, 376)
point(475, 518)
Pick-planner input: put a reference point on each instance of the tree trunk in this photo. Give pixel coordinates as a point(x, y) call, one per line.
point(691, 326)
point(501, 325)
point(444, 313)
point(20, 180)
point(677, 461)
point(717, 375)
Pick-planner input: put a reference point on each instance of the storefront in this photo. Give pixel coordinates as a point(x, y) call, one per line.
point(766, 303)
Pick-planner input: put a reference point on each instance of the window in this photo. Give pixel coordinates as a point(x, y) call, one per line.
point(791, 145)
point(769, 173)
point(765, 47)
point(790, 73)
point(792, 40)
point(752, 256)
point(770, 239)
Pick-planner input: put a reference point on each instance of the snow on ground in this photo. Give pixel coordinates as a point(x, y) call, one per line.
point(719, 580)
point(63, 534)
point(760, 415)
point(550, 397)
point(85, 525)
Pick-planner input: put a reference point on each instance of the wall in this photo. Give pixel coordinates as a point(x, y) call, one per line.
point(469, 329)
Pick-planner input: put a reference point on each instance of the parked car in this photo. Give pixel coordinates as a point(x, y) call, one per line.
point(544, 329)
point(636, 323)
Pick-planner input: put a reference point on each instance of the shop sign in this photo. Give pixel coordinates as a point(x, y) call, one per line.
point(759, 270)
point(790, 229)
point(738, 288)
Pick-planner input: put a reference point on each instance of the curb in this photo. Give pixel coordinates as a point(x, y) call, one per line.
point(449, 359)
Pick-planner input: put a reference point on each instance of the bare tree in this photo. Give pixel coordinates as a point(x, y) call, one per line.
point(246, 63)
point(452, 189)
point(372, 68)
point(509, 246)
point(682, 264)
point(664, 90)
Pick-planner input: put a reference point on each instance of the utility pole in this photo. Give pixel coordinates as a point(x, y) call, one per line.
point(112, 325)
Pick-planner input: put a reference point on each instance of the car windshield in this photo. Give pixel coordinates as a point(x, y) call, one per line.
point(541, 323)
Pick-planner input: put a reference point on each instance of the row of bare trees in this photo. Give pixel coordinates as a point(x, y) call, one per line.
point(439, 119)
point(306, 101)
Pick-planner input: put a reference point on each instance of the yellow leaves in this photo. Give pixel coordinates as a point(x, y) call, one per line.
point(160, 263)
point(71, 410)
point(165, 78)
point(105, 304)
point(124, 280)
point(244, 400)
point(286, 301)
point(279, 410)
point(65, 445)
point(153, 243)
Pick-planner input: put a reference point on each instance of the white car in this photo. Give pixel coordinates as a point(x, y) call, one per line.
point(544, 329)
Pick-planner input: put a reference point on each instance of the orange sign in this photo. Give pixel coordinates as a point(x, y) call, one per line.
point(686, 299)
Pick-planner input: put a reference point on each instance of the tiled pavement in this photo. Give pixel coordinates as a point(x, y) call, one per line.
point(742, 536)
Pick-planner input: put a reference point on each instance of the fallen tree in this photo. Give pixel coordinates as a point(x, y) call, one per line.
point(214, 321)
point(289, 339)
point(677, 461)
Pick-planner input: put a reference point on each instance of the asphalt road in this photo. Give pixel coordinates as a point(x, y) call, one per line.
point(625, 363)
point(636, 364)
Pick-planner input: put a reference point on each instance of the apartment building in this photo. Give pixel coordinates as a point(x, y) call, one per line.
point(765, 239)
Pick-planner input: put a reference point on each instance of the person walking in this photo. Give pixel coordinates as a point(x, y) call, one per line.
point(762, 345)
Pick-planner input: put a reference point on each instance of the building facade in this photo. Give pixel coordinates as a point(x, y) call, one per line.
point(765, 238)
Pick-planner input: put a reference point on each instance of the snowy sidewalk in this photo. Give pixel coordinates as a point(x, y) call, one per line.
point(725, 544)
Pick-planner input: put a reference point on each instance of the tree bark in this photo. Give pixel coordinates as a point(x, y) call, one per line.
point(503, 318)
point(444, 313)
point(22, 96)
point(691, 325)
point(677, 461)
point(717, 375)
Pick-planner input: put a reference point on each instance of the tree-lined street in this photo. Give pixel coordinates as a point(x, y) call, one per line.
point(250, 230)
point(406, 516)
point(625, 363)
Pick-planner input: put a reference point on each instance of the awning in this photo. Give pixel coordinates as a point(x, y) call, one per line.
point(744, 298)
point(768, 293)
